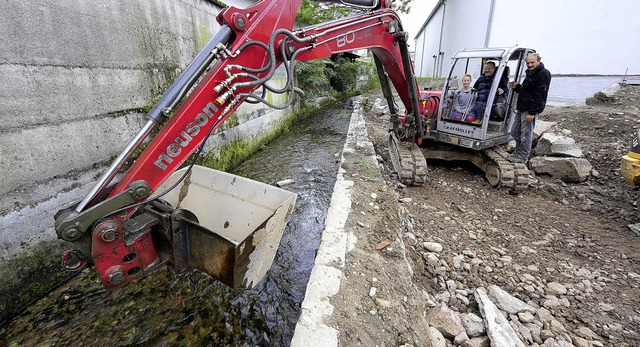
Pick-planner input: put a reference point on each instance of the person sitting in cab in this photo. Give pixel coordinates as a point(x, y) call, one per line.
point(463, 102)
point(483, 85)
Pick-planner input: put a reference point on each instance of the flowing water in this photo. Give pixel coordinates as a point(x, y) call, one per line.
point(189, 308)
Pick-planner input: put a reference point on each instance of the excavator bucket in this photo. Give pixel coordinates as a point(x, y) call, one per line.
point(231, 226)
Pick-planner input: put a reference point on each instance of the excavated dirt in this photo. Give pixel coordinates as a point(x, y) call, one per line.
point(560, 246)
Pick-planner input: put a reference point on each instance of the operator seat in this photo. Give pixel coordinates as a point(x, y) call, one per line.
point(500, 102)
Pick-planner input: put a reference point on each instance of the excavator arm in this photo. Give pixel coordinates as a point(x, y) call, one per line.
point(125, 228)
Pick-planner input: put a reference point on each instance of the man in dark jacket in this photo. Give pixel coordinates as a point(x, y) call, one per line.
point(532, 98)
point(483, 86)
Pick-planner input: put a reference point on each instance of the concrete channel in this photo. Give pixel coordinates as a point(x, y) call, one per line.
point(312, 328)
point(316, 325)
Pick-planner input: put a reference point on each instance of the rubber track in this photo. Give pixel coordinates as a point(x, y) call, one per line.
point(408, 162)
point(514, 176)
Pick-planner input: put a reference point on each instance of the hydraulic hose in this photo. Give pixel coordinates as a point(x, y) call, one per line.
point(189, 76)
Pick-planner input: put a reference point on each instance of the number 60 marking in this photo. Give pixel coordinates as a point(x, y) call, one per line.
point(351, 37)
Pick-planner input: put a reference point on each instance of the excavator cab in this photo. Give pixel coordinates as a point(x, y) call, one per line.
point(476, 139)
point(492, 108)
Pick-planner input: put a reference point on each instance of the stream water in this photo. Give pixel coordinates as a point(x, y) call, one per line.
point(190, 308)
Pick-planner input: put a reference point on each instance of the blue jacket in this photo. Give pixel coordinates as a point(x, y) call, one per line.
point(532, 97)
point(483, 85)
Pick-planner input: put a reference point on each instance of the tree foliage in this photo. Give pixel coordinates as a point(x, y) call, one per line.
point(312, 78)
point(343, 74)
point(338, 77)
point(403, 6)
point(312, 12)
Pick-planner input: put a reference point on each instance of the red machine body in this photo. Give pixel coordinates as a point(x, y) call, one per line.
point(121, 247)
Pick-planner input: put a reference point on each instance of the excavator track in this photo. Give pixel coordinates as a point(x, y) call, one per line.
point(514, 176)
point(499, 172)
point(408, 162)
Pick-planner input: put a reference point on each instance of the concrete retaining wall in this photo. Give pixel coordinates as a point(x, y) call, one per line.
point(77, 73)
point(75, 80)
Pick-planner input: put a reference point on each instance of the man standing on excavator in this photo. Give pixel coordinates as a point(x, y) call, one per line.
point(532, 98)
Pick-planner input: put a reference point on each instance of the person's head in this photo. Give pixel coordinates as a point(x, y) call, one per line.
point(489, 69)
point(466, 80)
point(533, 60)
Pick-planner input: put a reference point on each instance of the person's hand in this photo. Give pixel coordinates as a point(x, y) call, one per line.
point(500, 91)
point(512, 84)
point(530, 117)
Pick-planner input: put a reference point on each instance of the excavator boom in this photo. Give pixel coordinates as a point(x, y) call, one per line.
point(152, 215)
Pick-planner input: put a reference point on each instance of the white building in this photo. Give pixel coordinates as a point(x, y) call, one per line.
point(584, 37)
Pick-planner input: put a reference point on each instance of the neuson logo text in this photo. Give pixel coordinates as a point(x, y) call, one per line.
point(192, 129)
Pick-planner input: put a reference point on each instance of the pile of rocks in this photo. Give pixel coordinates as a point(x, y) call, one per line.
point(606, 96)
point(547, 304)
point(557, 155)
point(504, 321)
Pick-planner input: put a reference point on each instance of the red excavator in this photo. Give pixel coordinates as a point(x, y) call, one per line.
point(151, 214)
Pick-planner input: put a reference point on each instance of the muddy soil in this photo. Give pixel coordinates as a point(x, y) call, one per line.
point(563, 247)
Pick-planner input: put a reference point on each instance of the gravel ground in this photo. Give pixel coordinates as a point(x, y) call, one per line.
point(562, 249)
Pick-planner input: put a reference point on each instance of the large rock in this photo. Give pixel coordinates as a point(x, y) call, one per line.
point(437, 340)
point(507, 302)
point(566, 169)
point(543, 127)
point(473, 324)
point(606, 95)
point(498, 328)
point(445, 320)
point(611, 89)
point(556, 145)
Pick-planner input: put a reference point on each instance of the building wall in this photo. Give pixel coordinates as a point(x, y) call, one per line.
point(573, 36)
point(73, 72)
point(427, 46)
point(465, 25)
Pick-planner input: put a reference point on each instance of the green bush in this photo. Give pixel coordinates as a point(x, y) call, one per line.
point(344, 75)
point(311, 77)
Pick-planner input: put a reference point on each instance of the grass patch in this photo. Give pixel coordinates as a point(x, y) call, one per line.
point(365, 165)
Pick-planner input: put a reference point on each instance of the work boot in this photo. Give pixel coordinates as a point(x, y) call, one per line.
point(514, 158)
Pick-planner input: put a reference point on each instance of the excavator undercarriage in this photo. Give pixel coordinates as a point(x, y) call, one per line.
point(498, 171)
point(410, 164)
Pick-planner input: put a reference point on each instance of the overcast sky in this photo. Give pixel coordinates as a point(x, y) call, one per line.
point(412, 22)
